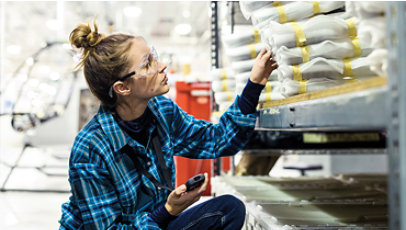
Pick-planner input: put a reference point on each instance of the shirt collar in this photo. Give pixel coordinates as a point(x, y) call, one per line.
point(117, 137)
point(111, 129)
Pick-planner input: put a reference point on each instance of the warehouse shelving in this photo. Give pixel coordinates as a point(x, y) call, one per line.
point(376, 105)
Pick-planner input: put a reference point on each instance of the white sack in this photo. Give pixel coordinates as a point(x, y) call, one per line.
point(228, 96)
point(378, 60)
point(291, 87)
point(327, 68)
point(294, 11)
point(223, 85)
point(242, 38)
point(373, 32)
point(243, 77)
point(365, 10)
point(248, 7)
point(272, 86)
point(316, 30)
point(273, 96)
point(221, 74)
point(243, 52)
point(242, 66)
point(338, 49)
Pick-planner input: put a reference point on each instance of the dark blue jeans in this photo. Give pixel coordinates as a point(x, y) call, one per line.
point(223, 212)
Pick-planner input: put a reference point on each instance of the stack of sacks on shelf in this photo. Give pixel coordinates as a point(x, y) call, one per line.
point(241, 48)
point(315, 53)
point(372, 30)
point(223, 86)
point(242, 64)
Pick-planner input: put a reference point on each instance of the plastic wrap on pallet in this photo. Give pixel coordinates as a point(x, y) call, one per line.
point(365, 10)
point(327, 68)
point(312, 31)
point(339, 49)
point(244, 52)
point(221, 74)
point(242, 38)
point(373, 32)
point(223, 85)
point(293, 11)
point(378, 60)
point(291, 87)
point(248, 7)
point(242, 66)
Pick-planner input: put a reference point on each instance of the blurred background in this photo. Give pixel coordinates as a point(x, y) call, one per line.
point(44, 102)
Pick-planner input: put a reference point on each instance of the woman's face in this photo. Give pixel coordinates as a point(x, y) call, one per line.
point(150, 79)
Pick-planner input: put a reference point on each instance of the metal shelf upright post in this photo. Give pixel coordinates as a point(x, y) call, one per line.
point(396, 126)
point(214, 43)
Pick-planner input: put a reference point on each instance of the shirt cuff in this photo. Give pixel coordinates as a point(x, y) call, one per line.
point(249, 98)
point(161, 216)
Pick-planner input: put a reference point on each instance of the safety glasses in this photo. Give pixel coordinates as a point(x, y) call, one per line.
point(147, 67)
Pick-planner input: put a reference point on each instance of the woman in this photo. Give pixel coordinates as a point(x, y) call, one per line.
point(121, 167)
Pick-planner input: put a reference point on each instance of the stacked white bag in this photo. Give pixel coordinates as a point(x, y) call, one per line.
point(372, 30)
point(316, 52)
point(241, 48)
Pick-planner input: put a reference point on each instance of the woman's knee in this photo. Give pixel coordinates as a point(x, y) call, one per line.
point(232, 204)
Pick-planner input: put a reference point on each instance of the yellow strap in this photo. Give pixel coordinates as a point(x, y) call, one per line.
point(351, 80)
point(257, 38)
point(268, 97)
point(352, 30)
point(268, 87)
point(252, 51)
point(299, 33)
point(357, 46)
point(276, 3)
point(282, 14)
point(297, 73)
point(347, 67)
point(223, 74)
point(224, 85)
point(305, 53)
point(229, 96)
point(302, 87)
point(316, 7)
point(297, 76)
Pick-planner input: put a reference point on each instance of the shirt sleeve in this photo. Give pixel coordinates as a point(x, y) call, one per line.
point(98, 202)
point(250, 97)
point(162, 217)
point(195, 138)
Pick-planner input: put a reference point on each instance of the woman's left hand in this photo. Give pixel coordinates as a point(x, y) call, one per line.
point(263, 67)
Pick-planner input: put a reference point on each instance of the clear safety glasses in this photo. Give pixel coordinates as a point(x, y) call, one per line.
point(147, 67)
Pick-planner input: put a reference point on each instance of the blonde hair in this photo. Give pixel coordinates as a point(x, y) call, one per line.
point(104, 59)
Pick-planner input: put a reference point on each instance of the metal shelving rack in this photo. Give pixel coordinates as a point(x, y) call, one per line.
point(396, 125)
point(377, 109)
point(380, 109)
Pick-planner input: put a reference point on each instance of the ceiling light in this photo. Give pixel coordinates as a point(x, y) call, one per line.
point(132, 11)
point(183, 29)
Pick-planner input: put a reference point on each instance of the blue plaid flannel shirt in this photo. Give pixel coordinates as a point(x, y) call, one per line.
point(109, 193)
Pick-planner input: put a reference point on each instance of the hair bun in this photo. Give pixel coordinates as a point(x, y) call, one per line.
point(83, 36)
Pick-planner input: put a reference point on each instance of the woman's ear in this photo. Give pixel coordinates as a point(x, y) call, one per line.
point(120, 88)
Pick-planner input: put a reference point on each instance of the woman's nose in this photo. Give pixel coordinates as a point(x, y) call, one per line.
point(161, 66)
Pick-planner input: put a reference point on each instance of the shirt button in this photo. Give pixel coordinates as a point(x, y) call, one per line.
point(149, 163)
